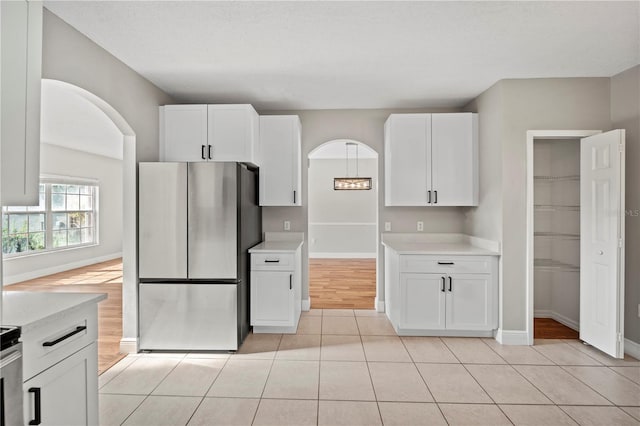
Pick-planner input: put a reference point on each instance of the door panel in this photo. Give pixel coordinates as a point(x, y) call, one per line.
point(185, 133)
point(212, 228)
point(469, 304)
point(279, 158)
point(601, 228)
point(272, 295)
point(422, 301)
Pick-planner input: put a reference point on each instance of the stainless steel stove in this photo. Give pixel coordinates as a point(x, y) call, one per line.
point(10, 376)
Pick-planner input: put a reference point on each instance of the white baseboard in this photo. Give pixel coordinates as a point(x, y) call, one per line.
point(129, 345)
point(306, 304)
point(632, 348)
point(342, 255)
point(379, 304)
point(12, 279)
point(557, 317)
point(512, 337)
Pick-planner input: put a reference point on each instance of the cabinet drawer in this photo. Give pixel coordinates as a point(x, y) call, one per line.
point(53, 342)
point(445, 264)
point(272, 261)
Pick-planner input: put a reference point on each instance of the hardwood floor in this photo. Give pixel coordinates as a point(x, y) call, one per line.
point(103, 277)
point(342, 283)
point(547, 328)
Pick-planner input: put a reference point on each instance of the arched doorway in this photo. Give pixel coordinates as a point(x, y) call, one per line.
point(342, 226)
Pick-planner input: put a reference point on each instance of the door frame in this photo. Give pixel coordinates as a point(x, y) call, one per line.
point(532, 135)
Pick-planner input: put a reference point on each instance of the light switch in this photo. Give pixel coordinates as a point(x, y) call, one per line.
point(420, 225)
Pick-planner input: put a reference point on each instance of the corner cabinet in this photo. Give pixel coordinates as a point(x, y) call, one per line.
point(280, 168)
point(191, 133)
point(441, 295)
point(431, 159)
point(276, 289)
point(21, 74)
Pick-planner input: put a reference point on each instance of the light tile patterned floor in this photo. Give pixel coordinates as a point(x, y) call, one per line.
point(345, 367)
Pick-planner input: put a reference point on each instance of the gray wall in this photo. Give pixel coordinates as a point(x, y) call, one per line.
point(366, 126)
point(61, 161)
point(625, 114)
point(69, 56)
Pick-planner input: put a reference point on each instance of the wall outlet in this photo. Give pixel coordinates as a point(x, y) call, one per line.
point(287, 225)
point(420, 226)
point(387, 226)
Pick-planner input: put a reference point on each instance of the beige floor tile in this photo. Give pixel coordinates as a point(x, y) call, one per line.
point(537, 415)
point(311, 313)
point(396, 381)
point(259, 346)
point(208, 355)
point(337, 313)
point(472, 351)
point(631, 373)
point(608, 383)
point(473, 414)
point(600, 416)
point(452, 383)
point(339, 325)
point(560, 386)
point(505, 385)
point(348, 413)
point(293, 379)
point(369, 313)
point(192, 377)
point(118, 368)
point(141, 377)
point(114, 409)
point(301, 347)
point(562, 354)
point(286, 412)
point(627, 361)
point(345, 381)
point(341, 348)
point(242, 378)
point(404, 414)
point(429, 349)
point(632, 411)
point(164, 410)
point(310, 325)
point(385, 348)
point(225, 411)
point(375, 326)
point(515, 354)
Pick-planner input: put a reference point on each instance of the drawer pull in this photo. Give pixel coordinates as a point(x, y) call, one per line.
point(38, 415)
point(272, 261)
point(446, 263)
point(65, 337)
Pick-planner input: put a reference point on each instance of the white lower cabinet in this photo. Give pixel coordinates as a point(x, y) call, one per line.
point(60, 394)
point(421, 303)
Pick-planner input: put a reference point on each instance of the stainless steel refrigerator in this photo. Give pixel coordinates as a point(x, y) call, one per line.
point(196, 222)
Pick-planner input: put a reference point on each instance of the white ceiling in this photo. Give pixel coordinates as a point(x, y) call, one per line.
point(332, 55)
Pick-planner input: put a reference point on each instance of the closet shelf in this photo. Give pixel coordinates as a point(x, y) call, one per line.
point(557, 178)
point(557, 235)
point(554, 265)
point(553, 208)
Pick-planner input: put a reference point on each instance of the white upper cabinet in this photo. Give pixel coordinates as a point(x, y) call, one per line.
point(209, 133)
point(431, 160)
point(280, 168)
point(21, 38)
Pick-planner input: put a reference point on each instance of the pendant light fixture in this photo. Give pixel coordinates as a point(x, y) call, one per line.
point(351, 183)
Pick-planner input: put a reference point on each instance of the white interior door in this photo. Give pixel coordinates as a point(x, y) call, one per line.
point(602, 245)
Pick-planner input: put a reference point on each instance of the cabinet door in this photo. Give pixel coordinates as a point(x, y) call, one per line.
point(272, 298)
point(280, 167)
point(21, 75)
point(183, 133)
point(68, 391)
point(469, 302)
point(233, 133)
point(422, 301)
point(407, 150)
point(454, 161)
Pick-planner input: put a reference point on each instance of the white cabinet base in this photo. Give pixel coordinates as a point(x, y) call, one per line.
point(275, 330)
point(445, 332)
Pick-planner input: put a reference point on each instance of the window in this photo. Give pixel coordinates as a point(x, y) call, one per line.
point(65, 217)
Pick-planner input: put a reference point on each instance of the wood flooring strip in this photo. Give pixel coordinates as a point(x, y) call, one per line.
point(547, 328)
point(342, 283)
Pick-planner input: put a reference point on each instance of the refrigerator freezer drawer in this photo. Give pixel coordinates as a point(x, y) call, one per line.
point(184, 316)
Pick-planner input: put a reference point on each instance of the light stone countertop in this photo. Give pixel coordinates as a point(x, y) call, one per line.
point(276, 247)
point(30, 310)
point(449, 244)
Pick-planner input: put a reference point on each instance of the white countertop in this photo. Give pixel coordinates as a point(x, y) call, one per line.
point(276, 247)
point(31, 309)
point(450, 244)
